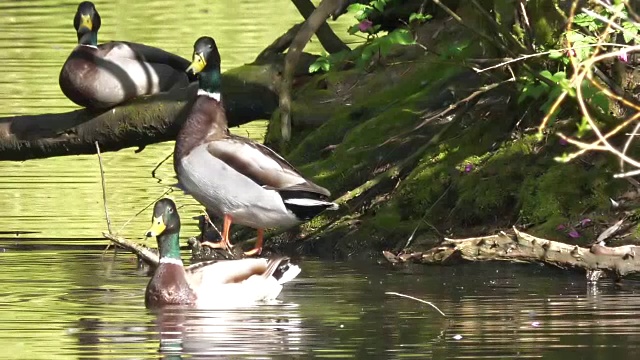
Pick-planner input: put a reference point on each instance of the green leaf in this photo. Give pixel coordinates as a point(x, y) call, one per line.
point(601, 101)
point(321, 63)
point(358, 7)
point(574, 36)
point(583, 127)
point(361, 11)
point(559, 76)
point(533, 91)
point(401, 37)
point(379, 5)
point(384, 45)
point(315, 67)
point(353, 29)
point(556, 54)
point(585, 20)
point(546, 74)
point(419, 17)
point(588, 90)
point(629, 35)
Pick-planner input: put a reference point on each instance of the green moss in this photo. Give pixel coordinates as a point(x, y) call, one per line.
point(548, 22)
point(491, 189)
point(369, 143)
point(375, 121)
point(566, 190)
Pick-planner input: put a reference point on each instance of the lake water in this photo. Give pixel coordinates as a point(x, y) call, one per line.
point(62, 297)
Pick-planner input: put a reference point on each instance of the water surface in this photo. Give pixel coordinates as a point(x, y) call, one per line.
point(62, 297)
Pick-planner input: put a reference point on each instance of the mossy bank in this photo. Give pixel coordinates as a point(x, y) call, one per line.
point(417, 147)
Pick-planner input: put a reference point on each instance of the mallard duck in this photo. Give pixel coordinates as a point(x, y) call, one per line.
point(238, 179)
point(201, 285)
point(102, 76)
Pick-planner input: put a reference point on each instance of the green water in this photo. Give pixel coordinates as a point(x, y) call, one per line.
point(61, 197)
point(61, 297)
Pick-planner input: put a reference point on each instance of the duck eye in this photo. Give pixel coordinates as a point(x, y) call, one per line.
point(170, 211)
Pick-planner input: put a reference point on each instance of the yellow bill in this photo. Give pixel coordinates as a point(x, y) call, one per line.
point(197, 64)
point(157, 227)
point(85, 21)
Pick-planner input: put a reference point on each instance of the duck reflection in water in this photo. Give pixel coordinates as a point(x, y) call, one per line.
point(258, 330)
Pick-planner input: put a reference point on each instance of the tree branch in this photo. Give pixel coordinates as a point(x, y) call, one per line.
point(521, 247)
point(249, 93)
point(329, 40)
point(310, 27)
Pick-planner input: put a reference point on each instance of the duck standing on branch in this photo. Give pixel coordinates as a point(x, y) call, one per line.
point(238, 179)
point(211, 284)
point(102, 76)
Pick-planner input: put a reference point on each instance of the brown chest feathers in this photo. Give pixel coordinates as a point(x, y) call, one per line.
point(169, 286)
point(207, 121)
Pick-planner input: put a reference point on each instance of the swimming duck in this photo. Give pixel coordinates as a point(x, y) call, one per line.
point(238, 179)
point(201, 285)
point(102, 76)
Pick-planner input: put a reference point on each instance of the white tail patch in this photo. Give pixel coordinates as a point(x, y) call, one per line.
point(311, 203)
point(213, 95)
point(290, 274)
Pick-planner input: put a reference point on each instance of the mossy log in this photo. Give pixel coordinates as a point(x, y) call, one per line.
point(524, 248)
point(250, 92)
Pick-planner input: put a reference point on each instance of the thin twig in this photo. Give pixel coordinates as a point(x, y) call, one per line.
point(627, 143)
point(538, 54)
point(627, 174)
point(142, 251)
point(416, 299)
point(206, 216)
point(104, 190)
point(153, 172)
point(168, 191)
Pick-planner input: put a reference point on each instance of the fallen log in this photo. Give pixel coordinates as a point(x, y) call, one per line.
point(247, 91)
point(524, 248)
point(250, 92)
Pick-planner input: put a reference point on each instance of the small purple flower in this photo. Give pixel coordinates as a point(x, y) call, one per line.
point(365, 25)
point(574, 234)
point(468, 168)
point(563, 142)
point(623, 57)
point(560, 227)
point(584, 222)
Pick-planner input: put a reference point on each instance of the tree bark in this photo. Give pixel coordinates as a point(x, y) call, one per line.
point(521, 247)
point(142, 122)
point(310, 27)
point(249, 93)
point(326, 36)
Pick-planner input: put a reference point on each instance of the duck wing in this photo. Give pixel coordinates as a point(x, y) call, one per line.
point(218, 272)
point(153, 55)
point(117, 50)
point(263, 166)
point(234, 282)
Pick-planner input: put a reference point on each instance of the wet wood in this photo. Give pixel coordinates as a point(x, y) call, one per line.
point(521, 247)
point(146, 254)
